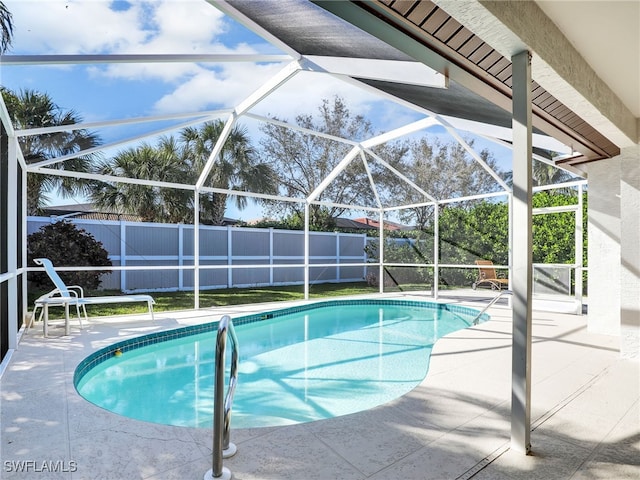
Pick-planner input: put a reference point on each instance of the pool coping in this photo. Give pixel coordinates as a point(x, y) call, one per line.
point(454, 425)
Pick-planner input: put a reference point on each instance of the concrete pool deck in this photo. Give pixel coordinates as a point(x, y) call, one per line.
point(454, 425)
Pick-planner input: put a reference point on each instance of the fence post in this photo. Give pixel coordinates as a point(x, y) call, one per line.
point(180, 256)
point(365, 242)
point(270, 255)
point(123, 254)
point(337, 234)
point(229, 257)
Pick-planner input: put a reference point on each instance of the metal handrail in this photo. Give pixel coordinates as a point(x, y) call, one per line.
point(494, 300)
point(222, 405)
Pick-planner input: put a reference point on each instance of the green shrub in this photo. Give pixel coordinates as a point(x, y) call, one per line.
point(66, 245)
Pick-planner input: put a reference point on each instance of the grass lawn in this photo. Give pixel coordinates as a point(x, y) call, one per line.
point(168, 301)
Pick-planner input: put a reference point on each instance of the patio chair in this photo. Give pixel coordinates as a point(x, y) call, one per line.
point(66, 296)
point(487, 276)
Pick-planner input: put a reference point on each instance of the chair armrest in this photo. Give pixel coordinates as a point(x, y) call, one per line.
point(73, 288)
point(56, 293)
point(52, 293)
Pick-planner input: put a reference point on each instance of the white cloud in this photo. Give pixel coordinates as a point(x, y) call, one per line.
point(55, 27)
point(94, 26)
point(304, 93)
point(225, 87)
point(171, 26)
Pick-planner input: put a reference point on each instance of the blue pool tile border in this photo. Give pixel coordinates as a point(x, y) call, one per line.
point(124, 346)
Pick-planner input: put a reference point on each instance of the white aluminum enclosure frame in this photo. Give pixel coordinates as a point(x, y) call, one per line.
point(233, 115)
point(520, 200)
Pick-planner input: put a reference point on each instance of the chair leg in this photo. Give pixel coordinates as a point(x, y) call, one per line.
point(33, 315)
point(67, 327)
point(45, 322)
point(79, 316)
point(151, 310)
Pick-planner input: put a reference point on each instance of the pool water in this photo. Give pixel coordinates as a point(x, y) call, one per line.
point(298, 367)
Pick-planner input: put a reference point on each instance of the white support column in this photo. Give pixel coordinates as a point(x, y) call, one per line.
point(12, 241)
point(23, 219)
point(436, 249)
point(381, 251)
point(196, 249)
point(613, 249)
point(306, 250)
point(229, 257)
point(123, 254)
point(579, 249)
point(630, 253)
point(180, 256)
point(603, 249)
point(522, 254)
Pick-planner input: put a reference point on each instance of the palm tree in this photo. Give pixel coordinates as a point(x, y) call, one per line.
point(31, 109)
point(235, 168)
point(152, 204)
point(6, 28)
point(546, 174)
point(182, 161)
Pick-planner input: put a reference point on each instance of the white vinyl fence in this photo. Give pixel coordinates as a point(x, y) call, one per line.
point(229, 256)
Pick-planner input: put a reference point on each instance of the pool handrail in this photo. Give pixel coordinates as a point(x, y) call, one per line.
point(222, 448)
point(494, 300)
point(228, 401)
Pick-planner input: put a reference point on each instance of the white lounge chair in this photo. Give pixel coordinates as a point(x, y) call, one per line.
point(64, 296)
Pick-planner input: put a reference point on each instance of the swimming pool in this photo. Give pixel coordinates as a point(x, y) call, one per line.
point(296, 365)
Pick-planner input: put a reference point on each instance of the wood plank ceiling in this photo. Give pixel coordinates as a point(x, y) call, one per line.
point(440, 32)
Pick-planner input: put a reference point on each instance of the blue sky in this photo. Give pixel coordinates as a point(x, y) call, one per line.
point(109, 92)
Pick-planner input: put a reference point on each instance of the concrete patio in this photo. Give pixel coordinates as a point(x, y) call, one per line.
point(455, 425)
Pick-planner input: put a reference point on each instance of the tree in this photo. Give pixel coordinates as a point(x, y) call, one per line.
point(235, 168)
point(546, 174)
point(67, 245)
point(31, 109)
point(181, 160)
point(302, 161)
point(443, 170)
point(164, 162)
point(6, 28)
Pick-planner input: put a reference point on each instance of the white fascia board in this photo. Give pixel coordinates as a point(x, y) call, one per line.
point(398, 71)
